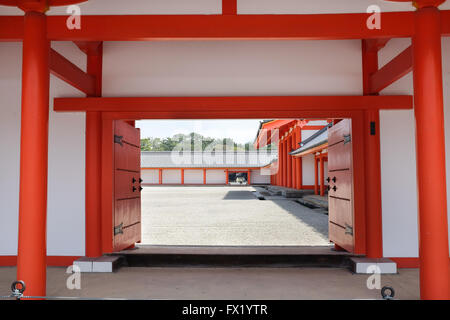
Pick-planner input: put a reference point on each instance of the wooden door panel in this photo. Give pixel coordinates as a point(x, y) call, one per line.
point(127, 158)
point(337, 132)
point(127, 196)
point(129, 134)
point(129, 236)
point(340, 195)
point(340, 212)
point(341, 184)
point(340, 156)
point(339, 236)
point(128, 211)
point(124, 186)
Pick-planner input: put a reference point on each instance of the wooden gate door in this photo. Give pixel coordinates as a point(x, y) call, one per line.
point(340, 177)
point(127, 186)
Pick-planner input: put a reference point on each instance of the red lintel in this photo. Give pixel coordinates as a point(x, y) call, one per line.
point(70, 73)
point(213, 105)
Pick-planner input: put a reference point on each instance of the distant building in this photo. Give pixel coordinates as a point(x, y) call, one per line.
point(210, 168)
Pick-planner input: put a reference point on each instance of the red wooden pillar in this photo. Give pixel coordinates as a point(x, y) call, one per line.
point(374, 233)
point(227, 178)
point(249, 177)
point(160, 176)
point(32, 246)
point(294, 160)
point(322, 175)
point(299, 161)
point(316, 176)
point(94, 159)
point(284, 162)
point(430, 153)
point(289, 161)
point(278, 175)
point(204, 176)
point(182, 176)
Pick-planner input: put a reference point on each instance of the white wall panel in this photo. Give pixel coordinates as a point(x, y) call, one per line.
point(215, 176)
point(193, 176)
point(150, 176)
point(171, 176)
point(308, 170)
point(66, 160)
point(258, 178)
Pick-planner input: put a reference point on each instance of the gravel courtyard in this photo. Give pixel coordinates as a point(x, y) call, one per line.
point(227, 216)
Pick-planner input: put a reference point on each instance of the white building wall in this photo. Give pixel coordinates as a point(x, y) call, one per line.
point(208, 68)
point(258, 178)
point(215, 176)
point(193, 176)
point(66, 161)
point(308, 170)
point(150, 176)
point(171, 176)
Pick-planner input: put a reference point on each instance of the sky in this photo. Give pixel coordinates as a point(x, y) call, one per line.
point(241, 131)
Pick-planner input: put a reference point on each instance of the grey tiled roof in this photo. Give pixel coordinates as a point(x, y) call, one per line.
point(167, 159)
point(317, 141)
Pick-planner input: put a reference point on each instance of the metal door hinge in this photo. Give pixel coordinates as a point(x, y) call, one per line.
point(348, 229)
point(347, 138)
point(373, 130)
point(118, 140)
point(118, 229)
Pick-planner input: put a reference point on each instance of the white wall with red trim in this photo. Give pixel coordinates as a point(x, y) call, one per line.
point(208, 68)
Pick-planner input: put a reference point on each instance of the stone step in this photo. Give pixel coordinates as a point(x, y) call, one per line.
point(162, 256)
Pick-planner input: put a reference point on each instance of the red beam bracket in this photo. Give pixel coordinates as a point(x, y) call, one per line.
point(70, 73)
point(396, 69)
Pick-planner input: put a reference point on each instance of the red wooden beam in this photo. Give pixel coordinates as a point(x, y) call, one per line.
point(223, 27)
point(219, 27)
point(445, 23)
point(11, 28)
point(173, 27)
point(400, 66)
point(70, 73)
point(218, 105)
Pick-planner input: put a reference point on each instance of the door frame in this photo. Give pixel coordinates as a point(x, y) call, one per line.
point(358, 140)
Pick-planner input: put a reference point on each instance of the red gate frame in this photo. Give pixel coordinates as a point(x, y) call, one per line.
point(357, 117)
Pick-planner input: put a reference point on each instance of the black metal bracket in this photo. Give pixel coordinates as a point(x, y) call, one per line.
point(118, 140)
point(373, 130)
point(347, 138)
point(118, 229)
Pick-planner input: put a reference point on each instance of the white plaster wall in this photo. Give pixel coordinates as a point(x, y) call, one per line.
point(398, 160)
point(258, 178)
point(193, 176)
point(231, 68)
point(10, 57)
point(171, 176)
point(308, 170)
point(66, 162)
point(150, 176)
point(215, 176)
